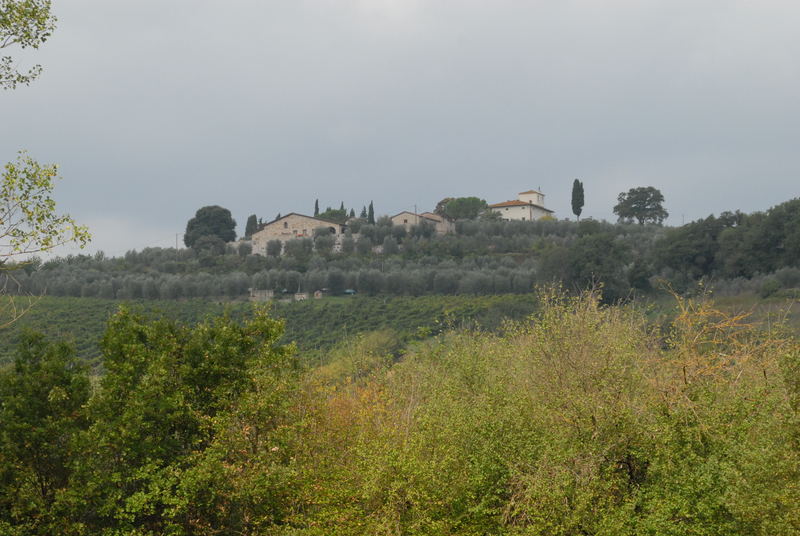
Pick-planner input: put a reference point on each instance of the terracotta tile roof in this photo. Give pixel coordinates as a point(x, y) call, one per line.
point(432, 216)
point(530, 192)
point(518, 203)
point(514, 203)
point(425, 216)
point(303, 216)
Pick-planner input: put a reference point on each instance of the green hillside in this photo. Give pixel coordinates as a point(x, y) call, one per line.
point(315, 325)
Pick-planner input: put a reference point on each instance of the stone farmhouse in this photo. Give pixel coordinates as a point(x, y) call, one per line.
point(407, 219)
point(528, 206)
point(292, 226)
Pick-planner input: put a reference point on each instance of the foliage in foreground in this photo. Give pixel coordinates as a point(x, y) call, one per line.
point(183, 434)
point(583, 420)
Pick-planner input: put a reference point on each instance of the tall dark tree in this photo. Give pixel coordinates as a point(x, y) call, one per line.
point(363, 214)
point(316, 208)
point(352, 213)
point(371, 214)
point(251, 226)
point(212, 220)
point(643, 204)
point(577, 198)
point(341, 207)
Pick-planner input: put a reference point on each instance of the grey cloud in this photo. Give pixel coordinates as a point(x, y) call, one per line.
point(156, 108)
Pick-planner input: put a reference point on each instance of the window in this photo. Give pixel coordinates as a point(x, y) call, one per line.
point(286, 225)
point(405, 221)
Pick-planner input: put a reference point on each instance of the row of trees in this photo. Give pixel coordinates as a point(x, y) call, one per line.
point(536, 248)
point(734, 244)
point(340, 215)
point(214, 225)
point(401, 279)
point(625, 258)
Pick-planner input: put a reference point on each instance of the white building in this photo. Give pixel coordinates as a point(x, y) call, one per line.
point(529, 206)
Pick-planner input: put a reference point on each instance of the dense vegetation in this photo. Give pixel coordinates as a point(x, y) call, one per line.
point(581, 420)
point(482, 257)
point(314, 326)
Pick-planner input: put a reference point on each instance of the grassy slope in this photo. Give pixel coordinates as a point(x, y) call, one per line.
point(315, 325)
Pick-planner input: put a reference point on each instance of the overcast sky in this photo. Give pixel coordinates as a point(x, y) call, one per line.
point(154, 108)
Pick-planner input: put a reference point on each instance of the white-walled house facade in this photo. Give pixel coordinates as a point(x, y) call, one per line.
point(529, 206)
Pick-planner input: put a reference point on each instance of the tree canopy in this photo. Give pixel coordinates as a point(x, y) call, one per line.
point(28, 220)
point(577, 198)
point(338, 215)
point(26, 24)
point(212, 220)
point(464, 208)
point(440, 206)
point(643, 204)
point(154, 449)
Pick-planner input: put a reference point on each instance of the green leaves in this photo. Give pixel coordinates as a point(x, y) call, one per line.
point(42, 411)
point(577, 198)
point(27, 24)
point(173, 403)
point(28, 219)
point(210, 221)
point(643, 204)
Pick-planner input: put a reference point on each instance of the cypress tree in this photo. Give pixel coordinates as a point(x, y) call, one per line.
point(371, 214)
point(577, 198)
point(316, 208)
point(352, 213)
point(251, 226)
point(363, 215)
